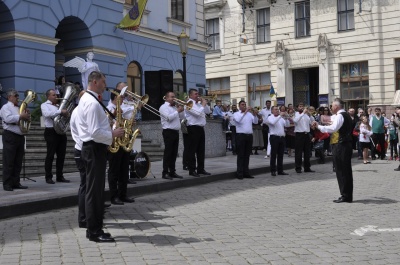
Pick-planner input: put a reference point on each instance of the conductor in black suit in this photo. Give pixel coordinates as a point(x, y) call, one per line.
point(343, 151)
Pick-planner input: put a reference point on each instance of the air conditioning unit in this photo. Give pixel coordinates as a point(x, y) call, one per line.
point(249, 3)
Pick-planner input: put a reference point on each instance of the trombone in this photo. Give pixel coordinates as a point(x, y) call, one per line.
point(188, 105)
point(142, 99)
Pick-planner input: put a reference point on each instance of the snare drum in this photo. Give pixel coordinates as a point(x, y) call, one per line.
point(139, 165)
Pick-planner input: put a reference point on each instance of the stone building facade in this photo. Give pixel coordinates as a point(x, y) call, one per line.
point(309, 50)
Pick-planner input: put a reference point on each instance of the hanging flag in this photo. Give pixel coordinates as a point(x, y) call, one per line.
point(272, 91)
point(132, 20)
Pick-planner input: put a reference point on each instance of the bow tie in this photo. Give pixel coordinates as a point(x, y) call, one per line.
point(100, 97)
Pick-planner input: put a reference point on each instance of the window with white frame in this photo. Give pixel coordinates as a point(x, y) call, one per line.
point(345, 14)
point(177, 9)
point(263, 25)
point(212, 31)
point(218, 84)
point(302, 16)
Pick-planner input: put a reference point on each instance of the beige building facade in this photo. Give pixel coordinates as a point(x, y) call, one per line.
point(310, 51)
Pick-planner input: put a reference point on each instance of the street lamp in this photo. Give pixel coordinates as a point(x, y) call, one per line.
point(183, 40)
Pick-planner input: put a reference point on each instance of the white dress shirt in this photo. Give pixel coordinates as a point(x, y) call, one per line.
point(10, 116)
point(75, 130)
point(265, 113)
point(49, 112)
point(93, 122)
point(127, 110)
point(277, 125)
point(244, 124)
point(302, 122)
point(196, 115)
point(337, 122)
point(169, 117)
point(231, 120)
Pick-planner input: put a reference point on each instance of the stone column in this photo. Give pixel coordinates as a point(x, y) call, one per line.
point(323, 65)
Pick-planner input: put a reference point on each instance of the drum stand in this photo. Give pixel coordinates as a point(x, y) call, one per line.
point(23, 170)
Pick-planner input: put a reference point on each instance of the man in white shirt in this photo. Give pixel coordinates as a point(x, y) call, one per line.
point(302, 122)
point(96, 135)
point(277, 123)
point(244, 119)
point(171, 124)
point(265, 112)
point(13, 142)
point(196, 120)
point(118, 167)
point(56, 143)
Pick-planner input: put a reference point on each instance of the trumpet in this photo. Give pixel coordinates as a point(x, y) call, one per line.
point(188, 105)
point(211, 97)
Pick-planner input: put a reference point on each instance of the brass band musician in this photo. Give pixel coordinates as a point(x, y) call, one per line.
point(13, 142)
point(170, 122)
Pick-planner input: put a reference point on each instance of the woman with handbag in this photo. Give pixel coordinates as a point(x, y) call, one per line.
point(364, 137)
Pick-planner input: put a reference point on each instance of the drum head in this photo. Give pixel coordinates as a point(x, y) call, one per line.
point(142, 164)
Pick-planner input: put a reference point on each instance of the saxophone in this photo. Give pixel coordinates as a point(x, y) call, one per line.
point(129, 137)
point(61, 123)
point(114, 147)
point(30, 96)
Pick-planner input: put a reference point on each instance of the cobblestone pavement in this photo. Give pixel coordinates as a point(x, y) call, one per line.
point(266, 220)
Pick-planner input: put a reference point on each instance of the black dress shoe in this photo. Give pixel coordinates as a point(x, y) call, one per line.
point(117, 201)
point(397, 169)
point(273, 173)
point(131, 181)
point(282, 173)
point(103, 234)
point(342, 199)
point(308, 170)
point(50, 181)
point(19, 186)
point(102, 239)
point(194, 174)
point(176, 176)
point(106, 205)
point(62, 179)
point(166, 176)
point(203, 172)
point(185, 168)
point(7, 188)
point(239, 176)
point(128, 200)
point(298, 170)
point(248, 176)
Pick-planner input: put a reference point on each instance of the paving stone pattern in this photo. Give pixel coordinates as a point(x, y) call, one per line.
point(266, 220)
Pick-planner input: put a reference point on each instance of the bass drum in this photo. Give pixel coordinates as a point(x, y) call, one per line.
point(139, 165)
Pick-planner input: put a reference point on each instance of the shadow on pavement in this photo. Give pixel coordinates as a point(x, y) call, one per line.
point(377, 200)
point(160, 240)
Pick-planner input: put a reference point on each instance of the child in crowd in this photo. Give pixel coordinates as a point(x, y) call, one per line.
point(364, 138)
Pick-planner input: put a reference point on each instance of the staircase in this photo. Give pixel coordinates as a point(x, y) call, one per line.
point(35, 153)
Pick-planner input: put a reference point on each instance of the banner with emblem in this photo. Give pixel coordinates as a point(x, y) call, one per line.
point(132, 20)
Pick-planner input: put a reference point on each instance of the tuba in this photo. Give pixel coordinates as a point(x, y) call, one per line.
point(61, 123)
point(114, 147)
point(30, 96)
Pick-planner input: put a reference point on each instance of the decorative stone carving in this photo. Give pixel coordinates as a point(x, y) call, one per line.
point(280, 53)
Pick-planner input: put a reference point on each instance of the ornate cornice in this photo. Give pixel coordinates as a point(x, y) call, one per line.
point(95, 50)
point(215, 3)
point(29, 37)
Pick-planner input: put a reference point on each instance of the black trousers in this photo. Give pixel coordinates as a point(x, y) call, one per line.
point(118, 173)
point(344, 172)
point(196, 150)
point(277, 150)
point(13, 154)
point(56, 144)
point(302, 145)
point(244, 143)
point(185, 155)
point(265, 131)
point(82, 185)
point(233, 138)
point(171, 142)
point(378, 138)
point(94, 156)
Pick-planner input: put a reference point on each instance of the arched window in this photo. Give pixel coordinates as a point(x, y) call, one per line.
point(178, 83)
point(134, 77)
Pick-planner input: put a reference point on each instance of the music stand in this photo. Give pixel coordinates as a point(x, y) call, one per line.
point(23, 166)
